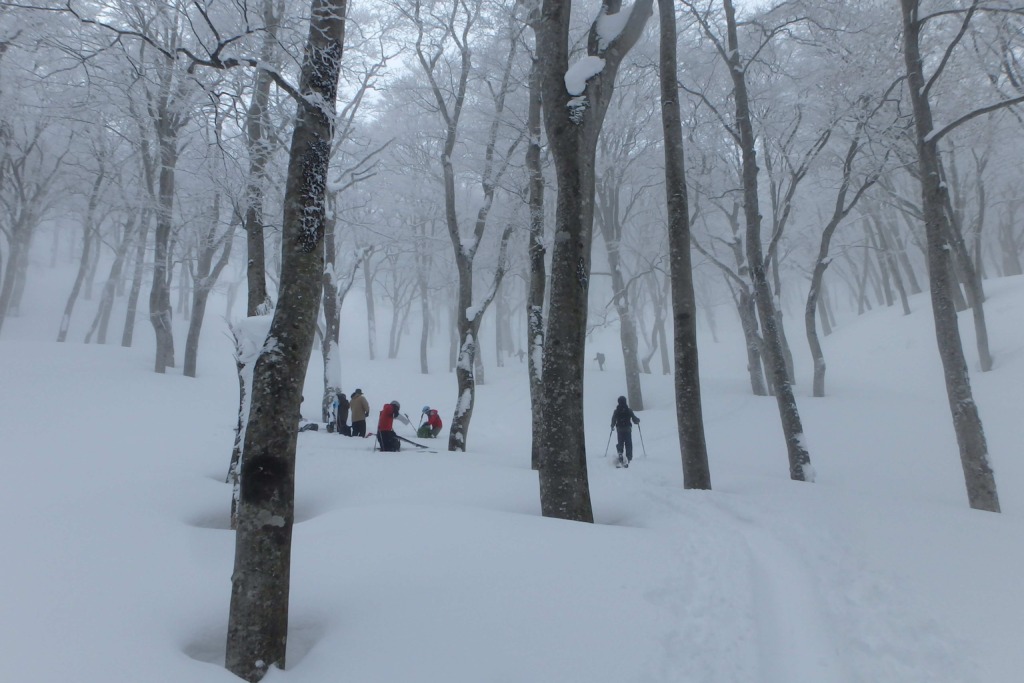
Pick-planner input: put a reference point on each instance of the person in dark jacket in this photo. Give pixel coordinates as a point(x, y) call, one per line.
point(623, 420)
point(360, 409)
point(341, 412)
point(386, 436)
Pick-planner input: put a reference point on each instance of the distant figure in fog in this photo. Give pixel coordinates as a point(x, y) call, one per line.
point(600, 360)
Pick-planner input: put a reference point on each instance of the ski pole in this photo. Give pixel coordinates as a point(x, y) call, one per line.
point(641, 432)
point(608, 444)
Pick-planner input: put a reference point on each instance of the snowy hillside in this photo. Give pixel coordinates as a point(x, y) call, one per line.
point(420, 567)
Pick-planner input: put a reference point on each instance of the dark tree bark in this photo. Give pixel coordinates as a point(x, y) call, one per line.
point(799, 458)
point(978, 476)
point(469, 310)
point(689, 413)
point(573, 122)
point(840, 210)
point(258, 621)
point(205, 277)
point(88, 233)
point(536, 251)
point(336, 288)
point(101, 322)
point(609, 220)
point(131, 313)
point(260, 148)
point(371, 312)
point(169, 117)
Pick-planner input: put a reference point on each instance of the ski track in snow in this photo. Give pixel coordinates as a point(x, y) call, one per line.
point(787, 620)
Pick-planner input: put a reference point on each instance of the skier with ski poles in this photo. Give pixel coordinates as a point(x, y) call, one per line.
point(623, 419)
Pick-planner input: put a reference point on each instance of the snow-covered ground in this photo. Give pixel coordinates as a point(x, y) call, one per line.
point(418, 567)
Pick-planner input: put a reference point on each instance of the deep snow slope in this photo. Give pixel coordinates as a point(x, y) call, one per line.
point(429, 567)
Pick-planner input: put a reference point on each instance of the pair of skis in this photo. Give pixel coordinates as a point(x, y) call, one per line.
point(426, 449)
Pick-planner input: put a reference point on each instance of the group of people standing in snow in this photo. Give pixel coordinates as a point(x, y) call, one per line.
point(359, 409)
point(623, 419)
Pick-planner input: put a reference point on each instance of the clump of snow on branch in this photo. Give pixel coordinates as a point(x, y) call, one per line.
point(609, 26)
point(577, 106)
point(582, 71)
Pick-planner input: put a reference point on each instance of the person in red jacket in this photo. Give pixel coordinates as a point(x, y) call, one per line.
point(432, 427)
point(386, 436)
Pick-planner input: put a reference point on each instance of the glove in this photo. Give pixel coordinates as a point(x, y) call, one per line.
point(636, 420)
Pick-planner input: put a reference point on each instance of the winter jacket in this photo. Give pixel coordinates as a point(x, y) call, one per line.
point(360, 407)
point(622, 416)
point(434, 420)
point(386, 421)
point(342, 409)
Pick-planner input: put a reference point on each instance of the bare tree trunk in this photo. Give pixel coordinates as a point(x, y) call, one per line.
point(787, 353)
point(978, 476)
point(611, 230)
point(18, 253)
point(329, 352)
point(206, 275)
point(535, 295)
point(573, 121)
point(371, 314)
point(961, 258)
point(689, 412)
point(101, 322)
point(754, 343)
point(89, 230)
point(258, 620)
point(469, 311)
point(160, 313)
point(260, 147)
point(890, 260)
point(133, 294)
point(904, 259)
point(423, 264)
point(863, 304)
point(815, 299)
point(90, 275)
point(883, 267)
point(799, 459)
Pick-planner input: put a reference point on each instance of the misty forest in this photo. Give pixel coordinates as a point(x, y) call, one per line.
point(524, 208)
